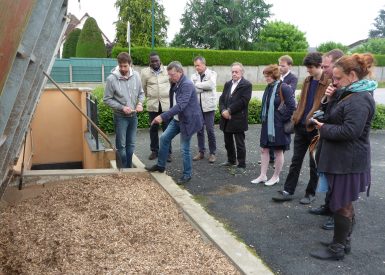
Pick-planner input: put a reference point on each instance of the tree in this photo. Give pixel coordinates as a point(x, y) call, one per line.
point(374, 46)
point(222, 24)
point(69, 47)
point(90, 43)
point(278, 36)
point(138, 13)
point(379, 25)
point(330, 45)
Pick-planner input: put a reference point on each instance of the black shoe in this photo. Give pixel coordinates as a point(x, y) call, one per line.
point(329, 224)
point(334, 251)
point(347, 249)
point(169, 158)
point(282, 196)
point(153, 155)
point(183, 180)
point(155, 168)
point(322, 210)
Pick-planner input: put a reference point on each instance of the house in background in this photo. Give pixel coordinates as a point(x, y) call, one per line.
point(356, 44)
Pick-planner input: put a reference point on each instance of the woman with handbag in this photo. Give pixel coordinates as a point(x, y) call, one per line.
point(278, 105)
point(343, 155)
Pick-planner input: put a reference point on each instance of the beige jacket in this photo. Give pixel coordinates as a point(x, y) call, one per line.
point(206, 90)
point(156, 88)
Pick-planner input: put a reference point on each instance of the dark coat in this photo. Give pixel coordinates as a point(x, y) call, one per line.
point(237, 104)
point(280, 116)
point(291, 80)
point(344, 145)
point(186, 107)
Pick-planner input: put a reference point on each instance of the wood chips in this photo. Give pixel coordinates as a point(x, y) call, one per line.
point(115, 224)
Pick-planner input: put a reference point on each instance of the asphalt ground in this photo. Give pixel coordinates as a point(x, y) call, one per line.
point(282, 234)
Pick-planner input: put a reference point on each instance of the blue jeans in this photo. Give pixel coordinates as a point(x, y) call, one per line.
point(125, 130)
point(165, 141)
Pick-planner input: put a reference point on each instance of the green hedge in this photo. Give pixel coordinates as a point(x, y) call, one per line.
point(213, 57)
point(216, 57)
point(379, 117)
point(255, 107)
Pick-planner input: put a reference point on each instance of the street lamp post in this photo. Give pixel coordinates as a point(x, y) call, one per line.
point(129, 37)
point(153, 24)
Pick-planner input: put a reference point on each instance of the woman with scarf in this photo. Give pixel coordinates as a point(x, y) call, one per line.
point(343, 156)
point(278, 105)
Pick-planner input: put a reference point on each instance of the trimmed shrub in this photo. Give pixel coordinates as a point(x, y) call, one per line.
point(213, 57)
point(379, 117)
point(69, 47)
point(105, 114)
point(91, 43)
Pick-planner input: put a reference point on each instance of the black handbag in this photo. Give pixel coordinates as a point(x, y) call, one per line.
point(288, 126)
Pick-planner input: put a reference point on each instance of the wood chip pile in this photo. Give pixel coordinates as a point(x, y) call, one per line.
point(116, 224)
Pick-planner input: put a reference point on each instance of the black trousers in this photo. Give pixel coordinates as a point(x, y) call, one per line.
point(154, 136)
point(302, 139)
point(240, 154)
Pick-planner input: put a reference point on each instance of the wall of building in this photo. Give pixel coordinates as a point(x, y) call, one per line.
point(57, 128)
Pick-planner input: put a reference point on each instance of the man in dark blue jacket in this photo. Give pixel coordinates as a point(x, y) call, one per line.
point(186, 119)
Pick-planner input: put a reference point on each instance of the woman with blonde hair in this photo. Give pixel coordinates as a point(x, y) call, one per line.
point(278, 105)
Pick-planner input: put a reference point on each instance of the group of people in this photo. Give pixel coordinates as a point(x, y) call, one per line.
point(332, 117)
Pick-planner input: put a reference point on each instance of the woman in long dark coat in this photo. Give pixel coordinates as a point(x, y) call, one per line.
point(278, 104)
point(343, 157)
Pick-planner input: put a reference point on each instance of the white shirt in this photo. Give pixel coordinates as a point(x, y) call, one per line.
point(235, 84)
point(286, 74)
point(176, 117)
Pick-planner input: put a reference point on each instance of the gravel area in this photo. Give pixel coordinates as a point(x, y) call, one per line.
point(116, 224)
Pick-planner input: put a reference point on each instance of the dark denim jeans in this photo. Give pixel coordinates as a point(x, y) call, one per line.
point(208, 118)
point(154, 131)
point(302, 139)
point(165, 141)
point(125, 130)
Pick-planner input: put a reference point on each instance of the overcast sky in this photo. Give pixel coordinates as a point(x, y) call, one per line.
point(344, 21)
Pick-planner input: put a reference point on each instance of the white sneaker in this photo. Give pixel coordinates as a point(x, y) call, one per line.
point(258, 180)
point(271, 182)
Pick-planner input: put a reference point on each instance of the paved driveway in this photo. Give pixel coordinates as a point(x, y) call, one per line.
point(283, 234)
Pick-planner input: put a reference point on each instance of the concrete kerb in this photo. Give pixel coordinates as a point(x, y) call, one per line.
point(210, 228)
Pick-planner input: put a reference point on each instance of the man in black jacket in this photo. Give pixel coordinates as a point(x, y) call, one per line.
point(233, 106)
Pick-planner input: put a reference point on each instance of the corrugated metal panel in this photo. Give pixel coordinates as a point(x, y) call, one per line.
point(22, 89)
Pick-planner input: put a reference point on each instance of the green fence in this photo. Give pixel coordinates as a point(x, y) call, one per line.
point(82, 69)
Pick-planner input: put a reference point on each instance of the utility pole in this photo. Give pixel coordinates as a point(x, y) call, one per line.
point(153, 24)
point(129, 37)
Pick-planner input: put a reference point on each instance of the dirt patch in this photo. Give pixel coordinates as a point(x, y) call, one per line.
point(103, 225)
point(229, 189)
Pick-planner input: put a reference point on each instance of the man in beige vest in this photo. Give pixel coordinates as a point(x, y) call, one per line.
point(156, 86)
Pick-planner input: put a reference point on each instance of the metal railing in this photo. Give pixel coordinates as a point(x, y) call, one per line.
point(92, 112)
